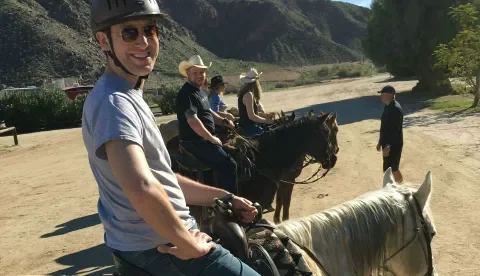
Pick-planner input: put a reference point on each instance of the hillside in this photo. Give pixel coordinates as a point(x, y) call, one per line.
point(280, 31)
point(48, 39)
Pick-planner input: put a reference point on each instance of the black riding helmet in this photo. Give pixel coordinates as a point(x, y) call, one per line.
point(105, 13)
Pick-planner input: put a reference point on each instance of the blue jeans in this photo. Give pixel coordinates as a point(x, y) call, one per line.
point(252, 130)
point(218, 262)
point(218, 159)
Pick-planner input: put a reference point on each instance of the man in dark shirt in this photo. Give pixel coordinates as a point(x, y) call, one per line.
point(391, 132)
point(197, 124)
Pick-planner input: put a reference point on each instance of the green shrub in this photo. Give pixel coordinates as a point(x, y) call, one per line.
point(149, 99)
point(339, 70)
point(166, 99)
point(45, 109)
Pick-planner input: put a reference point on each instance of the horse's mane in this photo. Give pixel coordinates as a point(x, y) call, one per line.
point(275, 138)
point(357, 232)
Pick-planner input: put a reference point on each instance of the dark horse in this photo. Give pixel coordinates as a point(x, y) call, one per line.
point(285, 187)
point(278, 150)
point(278, 154)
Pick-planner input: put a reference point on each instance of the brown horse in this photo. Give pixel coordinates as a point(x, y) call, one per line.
point(285, 189)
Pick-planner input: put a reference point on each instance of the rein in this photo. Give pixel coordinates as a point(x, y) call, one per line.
point(312, 160)
point(428, 241)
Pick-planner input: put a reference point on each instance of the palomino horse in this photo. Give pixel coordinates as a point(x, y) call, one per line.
point(388, 231)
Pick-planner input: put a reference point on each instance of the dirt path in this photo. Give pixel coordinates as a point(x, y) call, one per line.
point(48, 211)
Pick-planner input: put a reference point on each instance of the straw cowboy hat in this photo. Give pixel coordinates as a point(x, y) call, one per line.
point(193, 61)
point(251, 76)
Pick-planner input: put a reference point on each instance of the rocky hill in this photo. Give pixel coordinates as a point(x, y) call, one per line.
point(47, 39)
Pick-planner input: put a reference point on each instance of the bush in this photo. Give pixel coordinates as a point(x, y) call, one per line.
point(149, 99)
point(168, 94)
point(340, 70)
point(45, 109)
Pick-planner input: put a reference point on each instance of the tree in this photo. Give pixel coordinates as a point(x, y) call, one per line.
point(461, 56)
point(403, 34)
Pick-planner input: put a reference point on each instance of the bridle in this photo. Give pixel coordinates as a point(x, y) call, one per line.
point(428, 241)
point(426, 234)
point(274, 178)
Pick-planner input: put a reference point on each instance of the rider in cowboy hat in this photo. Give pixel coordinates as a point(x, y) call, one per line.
point(197, 124)
point(142, 204)
point(250, 109)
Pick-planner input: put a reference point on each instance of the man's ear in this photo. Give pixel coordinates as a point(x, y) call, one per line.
point(103, 40)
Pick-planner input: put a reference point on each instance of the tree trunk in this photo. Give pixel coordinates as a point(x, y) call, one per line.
point(477, 90)
point(432, 80)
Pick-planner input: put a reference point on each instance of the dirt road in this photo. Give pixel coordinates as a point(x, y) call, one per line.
point(48, 211)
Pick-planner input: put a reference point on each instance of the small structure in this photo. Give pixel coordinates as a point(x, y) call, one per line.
point(73, 91)
point(5, 129)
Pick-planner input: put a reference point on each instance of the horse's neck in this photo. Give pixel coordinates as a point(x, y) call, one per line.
point(282, 148)
point(325, 248)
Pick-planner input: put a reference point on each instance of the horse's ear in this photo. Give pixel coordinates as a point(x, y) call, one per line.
point(424, 192)
point(388, 178)
point(282, 113)
point(333, 117)
point(292, 116)
point(311, 113)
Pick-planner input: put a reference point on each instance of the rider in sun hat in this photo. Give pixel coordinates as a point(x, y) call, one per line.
point(142, 204)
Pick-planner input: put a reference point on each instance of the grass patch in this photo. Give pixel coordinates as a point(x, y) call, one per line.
point(454, 103)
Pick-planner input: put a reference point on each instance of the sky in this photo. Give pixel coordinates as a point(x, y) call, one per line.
point(364, 3)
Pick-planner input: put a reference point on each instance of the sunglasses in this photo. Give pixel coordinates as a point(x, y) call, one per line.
point(130, 34)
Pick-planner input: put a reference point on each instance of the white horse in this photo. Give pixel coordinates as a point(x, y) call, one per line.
point(384, 232)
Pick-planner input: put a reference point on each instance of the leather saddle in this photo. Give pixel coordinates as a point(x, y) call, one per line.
point(226, 230)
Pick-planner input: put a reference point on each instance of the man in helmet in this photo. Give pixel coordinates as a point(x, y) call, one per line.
point(143, 204)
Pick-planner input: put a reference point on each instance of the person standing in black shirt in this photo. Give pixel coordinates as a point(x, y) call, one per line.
point(391, 132)
point(197, 124)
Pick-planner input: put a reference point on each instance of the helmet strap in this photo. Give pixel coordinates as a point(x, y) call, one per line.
point(112, 54)
point(117, 62)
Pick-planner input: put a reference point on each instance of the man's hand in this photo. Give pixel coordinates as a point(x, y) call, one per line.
point(230, 117)
point(386, 151)
point(379, 147)
point(229, 124)
point(244, 209)
point(201, 247)
point(214, 140)
point(272, 115)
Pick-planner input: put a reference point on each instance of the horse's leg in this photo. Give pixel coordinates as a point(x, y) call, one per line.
point(286, 197)
point(276, 216)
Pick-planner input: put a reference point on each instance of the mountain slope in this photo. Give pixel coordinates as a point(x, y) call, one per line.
point(280, 31)
point(48, 39)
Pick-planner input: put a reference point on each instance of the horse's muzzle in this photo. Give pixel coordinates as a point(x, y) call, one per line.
point(330, 162)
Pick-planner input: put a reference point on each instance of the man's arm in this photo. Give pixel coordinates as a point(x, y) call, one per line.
point(197, 126)
point(217, 118)
point(198, 194)
point(146, 193)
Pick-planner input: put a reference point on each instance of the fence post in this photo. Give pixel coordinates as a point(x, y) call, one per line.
point(15, 139)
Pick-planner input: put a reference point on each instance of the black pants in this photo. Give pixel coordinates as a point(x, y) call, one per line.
point(393, 159)
point(218, 159)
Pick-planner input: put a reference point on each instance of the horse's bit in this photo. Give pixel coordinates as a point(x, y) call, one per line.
point(428, 241)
